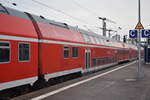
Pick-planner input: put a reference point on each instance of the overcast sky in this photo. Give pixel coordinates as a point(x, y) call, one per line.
point(123, 12)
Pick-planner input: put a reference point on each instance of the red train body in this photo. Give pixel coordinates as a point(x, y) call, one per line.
point(32, 46)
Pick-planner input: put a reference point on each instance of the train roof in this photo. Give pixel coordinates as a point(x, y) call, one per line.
point(17, 13)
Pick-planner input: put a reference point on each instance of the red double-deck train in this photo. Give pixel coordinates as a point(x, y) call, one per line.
point(35, 49)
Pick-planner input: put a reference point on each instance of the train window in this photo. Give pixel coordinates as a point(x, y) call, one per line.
point(92, 39)
point(24, 52)
point(74, 51)
point(100, 41)
point(62, 25)
point(106, 59)
point(110, 59)
point(66, 52)
point(114, 58)
point(94, 62)
point(4, 52)
point(97, 40)
point(98, 61)
point(89, 40)
point(103, 61)
point(86, 38)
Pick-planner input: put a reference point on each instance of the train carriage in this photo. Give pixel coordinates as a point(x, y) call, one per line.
point(18, 49)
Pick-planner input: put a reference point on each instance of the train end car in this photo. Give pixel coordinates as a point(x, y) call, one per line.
point(18, 49)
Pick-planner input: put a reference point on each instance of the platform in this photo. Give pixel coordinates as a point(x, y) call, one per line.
point(117, 83)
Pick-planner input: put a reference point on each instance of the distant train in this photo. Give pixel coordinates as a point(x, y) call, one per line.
point(34, 49)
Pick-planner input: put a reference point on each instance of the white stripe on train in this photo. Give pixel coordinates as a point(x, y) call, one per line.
point(7, 37)
point(11, 84)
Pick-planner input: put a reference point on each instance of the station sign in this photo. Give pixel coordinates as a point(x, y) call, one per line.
point(145, 33)
point(133, 33)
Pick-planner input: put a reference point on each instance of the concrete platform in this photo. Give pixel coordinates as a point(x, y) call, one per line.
point(119, 84)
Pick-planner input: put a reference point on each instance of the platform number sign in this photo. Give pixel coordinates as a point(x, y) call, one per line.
point(133, 33)
point(145, 33)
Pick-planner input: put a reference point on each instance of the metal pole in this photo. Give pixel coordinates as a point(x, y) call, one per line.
point(139, 3)
point(140, 69)
point(104, 27)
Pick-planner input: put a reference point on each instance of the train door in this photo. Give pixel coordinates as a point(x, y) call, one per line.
point(87, 58)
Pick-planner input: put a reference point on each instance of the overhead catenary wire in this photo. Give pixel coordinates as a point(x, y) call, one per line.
point(90, 11)
point(60, 11)
point(85, 8)
point(94, 14)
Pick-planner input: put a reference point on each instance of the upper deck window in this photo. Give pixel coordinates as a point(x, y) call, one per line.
point(63, 25)
point(100, 42)
point(97, 40)
point(4, 52)
point(92, 39)
point(104, 43)
point(86, 38)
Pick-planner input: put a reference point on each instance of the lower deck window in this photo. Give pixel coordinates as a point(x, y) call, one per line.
point(107, 60)
point(24, 52)
point(99, 61)
point(114, 59)
point(74, 51)
point(94, 62)
point(103, 61)
point(4, 52)
point(66, 52)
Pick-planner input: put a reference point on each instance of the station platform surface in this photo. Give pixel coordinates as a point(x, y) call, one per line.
point(116, 83)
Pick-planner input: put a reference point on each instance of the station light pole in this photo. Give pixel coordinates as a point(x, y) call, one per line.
point(140, 69)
